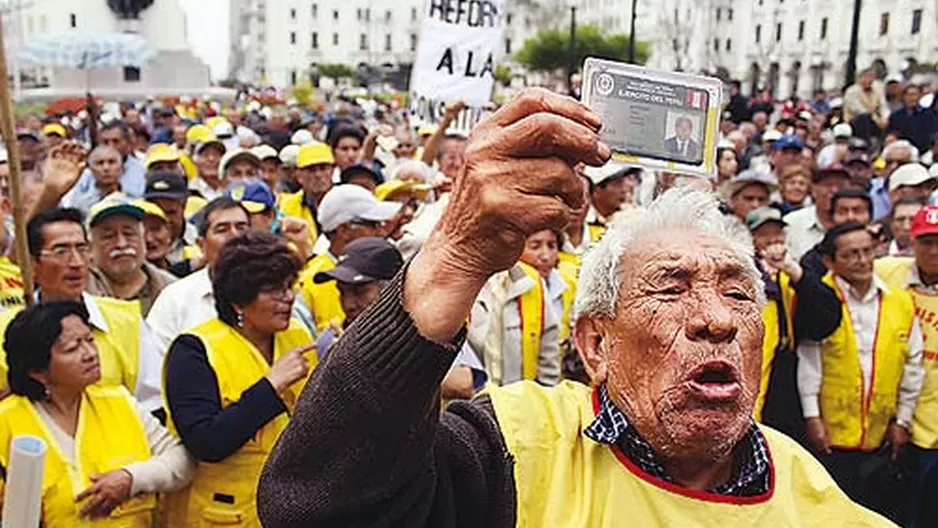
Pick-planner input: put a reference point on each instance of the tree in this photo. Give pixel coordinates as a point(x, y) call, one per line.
point(549, 49)
point(336, 71)
point(503, 74)
point(303, 93)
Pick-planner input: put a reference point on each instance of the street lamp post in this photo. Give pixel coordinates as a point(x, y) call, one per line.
point(571, 66)
point(632, 33)
point(851, 69)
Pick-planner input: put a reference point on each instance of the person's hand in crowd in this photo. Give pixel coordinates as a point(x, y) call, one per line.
point(290, 368)
point(106, 492)
point(897, 436)
point(63, 166)
point(453, 110)
point(817, 435)
point(778, 258)
point(296, 232)
point(518, 179)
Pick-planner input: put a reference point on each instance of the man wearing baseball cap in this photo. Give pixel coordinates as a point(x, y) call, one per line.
point(347, 213)
point(169, 191)
point(919, 276)
point(239, 164)
point(207, 157)
point(610, 189)
point(785, 153)
point(749, 190)
point(911, 180)
point(314, 167)
point(270, 165)
point(163, 157)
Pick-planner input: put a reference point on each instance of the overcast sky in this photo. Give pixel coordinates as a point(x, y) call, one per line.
point(208, 32)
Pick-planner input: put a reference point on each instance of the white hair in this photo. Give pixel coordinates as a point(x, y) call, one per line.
point(900, 144)
point(417, 166)
point(600, 275)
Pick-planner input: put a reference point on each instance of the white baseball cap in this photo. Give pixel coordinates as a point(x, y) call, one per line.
point(909, 175)
point(608, 171)
point(264, 152)
point(843, 130)
point(771, 135)
point(288, 155)
point(235, 155)
point(302, 137)
point(223, 130)
point(345, 203)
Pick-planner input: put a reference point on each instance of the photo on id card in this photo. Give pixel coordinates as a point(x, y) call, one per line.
point(654, 118)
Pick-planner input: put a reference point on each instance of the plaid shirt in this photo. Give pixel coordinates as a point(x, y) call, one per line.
point(751, 474)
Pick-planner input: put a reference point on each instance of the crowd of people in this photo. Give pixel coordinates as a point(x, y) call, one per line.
point(197, 265)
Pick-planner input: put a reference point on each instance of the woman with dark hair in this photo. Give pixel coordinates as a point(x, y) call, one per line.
point(231, 383)
point(107, 457)
point(727, 164)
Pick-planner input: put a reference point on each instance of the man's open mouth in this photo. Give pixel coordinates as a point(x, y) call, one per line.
point(715, 381)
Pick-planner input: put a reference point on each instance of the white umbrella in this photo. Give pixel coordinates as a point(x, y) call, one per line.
point(87, 51)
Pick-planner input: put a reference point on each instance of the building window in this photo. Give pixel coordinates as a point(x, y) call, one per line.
point(729, 44)
point(916, 21)
point(131, 74)
point(778, 32)
point(716, 44)
point(801, 30)
point(72, 20)
point(729, 14)
point(293, 14)
point(507, 46)
point(387, 15)
point(758, 33)
point(293, 37)
point(315, 10)
point(413, 14)
point(508, 19)
point(719, 12)
point(823, 28)
point(387, 42)
point(358, 14)
point(293, 77)
point(363, 42)
point(335, 14)
point(315, 40)
point(883, 24)
point(368, 14)
point(413, 42)
point(335, 39)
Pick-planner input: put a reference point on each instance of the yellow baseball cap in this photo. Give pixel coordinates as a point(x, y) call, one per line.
point(314, 154)
point(426, 130)
point(114, 204)
point(150, 208)
point(194, 204)
point(54, 129)
point(199, 134)
point(160, 152)
point(392, 187)
point(214, 120)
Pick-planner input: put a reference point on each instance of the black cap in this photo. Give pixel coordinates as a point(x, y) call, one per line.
point(365, 260)
point(166, 184)
point(359, 168)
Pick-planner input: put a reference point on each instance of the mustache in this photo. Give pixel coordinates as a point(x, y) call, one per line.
point(122, 252)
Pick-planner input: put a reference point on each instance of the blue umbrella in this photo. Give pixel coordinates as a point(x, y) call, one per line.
point(87, 51)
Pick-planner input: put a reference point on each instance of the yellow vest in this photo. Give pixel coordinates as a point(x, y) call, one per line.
point(11, 285)
point(293, 205)
point(564, 479)
point(772, 338)
point(322, 299)
point(856, 420)
point(109, 436)
point(531, 307)
point(238, 365)
point(118, 348)
point(596, 232)
point(895, 271)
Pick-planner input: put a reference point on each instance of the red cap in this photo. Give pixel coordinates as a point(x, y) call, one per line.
point(925, 222)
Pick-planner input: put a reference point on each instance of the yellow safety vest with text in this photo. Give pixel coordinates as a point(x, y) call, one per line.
point(109, 436)
point(856, 419)
point(11, 285)
point(531, 307)
point(118, 348)
point(322, 299)
point(563, 479)
point(895, 271)
point(294, 205)
point(772, 337)
point(223, 493)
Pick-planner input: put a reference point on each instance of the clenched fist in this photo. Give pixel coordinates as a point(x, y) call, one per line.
point(518, 180)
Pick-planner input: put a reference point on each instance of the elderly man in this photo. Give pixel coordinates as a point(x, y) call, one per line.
point(117, 135)
point(168, 191)
point(670, 332)
point(118, 251)
point(105, 165)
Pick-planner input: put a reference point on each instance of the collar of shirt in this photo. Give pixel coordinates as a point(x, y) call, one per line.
point(876, 287)
point(914, 279)
point(556, 286)
point(594, 218)
point(201, 284)
point(752, 468)
point(95, 317)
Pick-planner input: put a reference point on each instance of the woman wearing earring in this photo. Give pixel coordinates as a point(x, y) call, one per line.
point(106, 457)
point(231, 383)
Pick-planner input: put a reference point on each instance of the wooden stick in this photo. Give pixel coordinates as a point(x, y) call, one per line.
point(16, 193)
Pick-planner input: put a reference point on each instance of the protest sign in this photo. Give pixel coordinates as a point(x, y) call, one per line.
point(456, 57)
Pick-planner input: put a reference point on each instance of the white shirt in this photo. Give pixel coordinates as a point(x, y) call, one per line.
point(207, 191)
point(804, 231)
point(556, 286)
point(182, 305)
point(864, 316)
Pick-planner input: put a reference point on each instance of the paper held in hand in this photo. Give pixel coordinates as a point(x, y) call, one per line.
point(656, 119)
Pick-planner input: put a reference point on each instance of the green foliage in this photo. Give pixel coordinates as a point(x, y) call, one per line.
point(503, 74)
point(336, 71)
point(303, 93)
point(549, 49)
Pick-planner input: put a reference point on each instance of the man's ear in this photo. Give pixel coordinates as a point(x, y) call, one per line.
point(828, 262)
point(589, 342)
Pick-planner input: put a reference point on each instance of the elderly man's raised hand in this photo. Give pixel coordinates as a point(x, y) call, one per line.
point(518, 180)
point(64, 165)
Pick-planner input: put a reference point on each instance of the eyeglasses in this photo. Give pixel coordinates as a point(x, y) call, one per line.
point(280, 291)
point(65, 251)
point(857, 255)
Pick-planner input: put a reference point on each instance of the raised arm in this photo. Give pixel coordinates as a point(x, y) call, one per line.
point(366, 445)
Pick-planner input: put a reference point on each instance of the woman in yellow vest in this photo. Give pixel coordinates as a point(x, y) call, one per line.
point(106, 456)
point(231, 383)
point(541, 253)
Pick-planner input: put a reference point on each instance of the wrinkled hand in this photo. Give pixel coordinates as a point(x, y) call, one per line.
point(63, 166)
point(817, 435)
point(519, 179)
point(898, 437)
point(297, 232)
point(290, 368)
point(107, 492)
